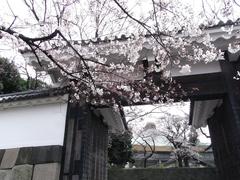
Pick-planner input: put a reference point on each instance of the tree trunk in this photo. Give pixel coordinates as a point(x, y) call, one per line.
point(145, 163)
point(186, 161)
point(180, 163)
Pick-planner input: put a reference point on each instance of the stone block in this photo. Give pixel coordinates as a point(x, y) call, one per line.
point(50, 171)
point(39, 155)
point(46, 154)
point(2, 152)
point(5, 174)
point(25, 156)
point(22, 172)
point(9, 158)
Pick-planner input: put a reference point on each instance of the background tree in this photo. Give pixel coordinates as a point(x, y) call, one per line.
point(181, 136)
point(162, 127)
point(11, 81)
point(146, 138)
point(120, 149)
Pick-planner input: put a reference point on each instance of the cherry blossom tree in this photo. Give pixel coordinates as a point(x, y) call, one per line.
point(106, 69)
point(146, 138)
point(173, 130)
point(182, 137)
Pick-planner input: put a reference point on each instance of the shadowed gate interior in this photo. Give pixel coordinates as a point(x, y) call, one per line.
point(217, 102)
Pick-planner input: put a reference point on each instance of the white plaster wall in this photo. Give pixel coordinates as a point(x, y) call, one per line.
point(198, 68)
point(37, 125)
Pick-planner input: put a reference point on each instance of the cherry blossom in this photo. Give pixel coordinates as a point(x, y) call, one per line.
point(82, 42)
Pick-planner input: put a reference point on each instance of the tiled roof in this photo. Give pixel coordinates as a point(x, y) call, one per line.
point(124, 37)
point(31, 94)
point(221, 24)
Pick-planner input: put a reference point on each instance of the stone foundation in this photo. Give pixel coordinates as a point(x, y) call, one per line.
point(31, 163)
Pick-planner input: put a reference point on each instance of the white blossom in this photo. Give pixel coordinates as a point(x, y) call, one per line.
point(186, 69)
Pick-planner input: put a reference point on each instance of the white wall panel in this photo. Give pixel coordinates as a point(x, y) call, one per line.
point(37, 125)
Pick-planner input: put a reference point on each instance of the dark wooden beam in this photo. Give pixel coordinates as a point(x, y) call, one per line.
point(193, 87)
point(191, 112)
point(202, 86)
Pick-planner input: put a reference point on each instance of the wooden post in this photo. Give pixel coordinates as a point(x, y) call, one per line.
point(85, 145)
point(224, 126)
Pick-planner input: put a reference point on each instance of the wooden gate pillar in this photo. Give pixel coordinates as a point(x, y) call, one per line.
point(224, 126)
point(85, 147)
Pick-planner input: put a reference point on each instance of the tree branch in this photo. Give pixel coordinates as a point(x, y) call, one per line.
point(32, 9)
point(204, 133)
point(15, 17)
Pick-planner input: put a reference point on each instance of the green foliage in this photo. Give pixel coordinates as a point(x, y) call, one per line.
point(120, 149)
point(31, 83)
point(9, 77)
point(10, 80)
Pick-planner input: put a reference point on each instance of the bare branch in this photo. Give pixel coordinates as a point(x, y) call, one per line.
point(236, 3)
point(45, 10)
point(79, 55)
point(10, 8)
point(204, 133)
point(15, 17)
point(32, 8)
